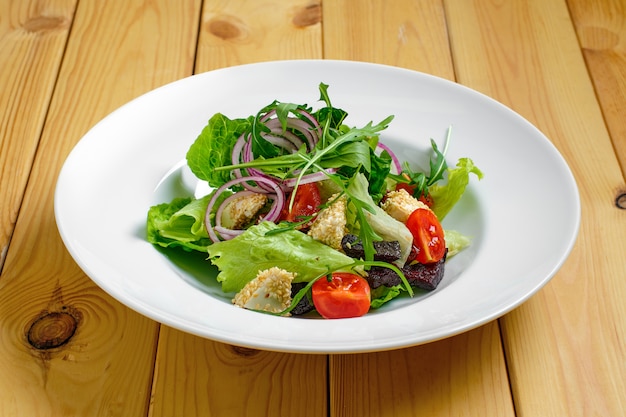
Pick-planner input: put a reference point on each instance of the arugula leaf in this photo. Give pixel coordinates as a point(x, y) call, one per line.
point(419, 180)
point(330, 117)
point(213, 148)
point(321, 157)
point(373, 222)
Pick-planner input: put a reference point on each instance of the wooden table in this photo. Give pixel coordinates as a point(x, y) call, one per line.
point(65, 64)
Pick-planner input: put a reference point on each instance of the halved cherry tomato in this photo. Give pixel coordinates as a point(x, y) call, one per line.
point(345, 295)
point(306, 203)
point(428, 236)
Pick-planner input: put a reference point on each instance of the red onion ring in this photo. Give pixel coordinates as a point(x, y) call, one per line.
point(394, 158)
point(277, 206)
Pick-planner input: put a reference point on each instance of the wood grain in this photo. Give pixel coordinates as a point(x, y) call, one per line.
point(452, 377)
point(105, 366)
point(410, 34)
point(32, 41)
point(601, 29)
point(246, 31)
point(206, 378)
point(198, 377)
point(419, 381)
point(565, 346)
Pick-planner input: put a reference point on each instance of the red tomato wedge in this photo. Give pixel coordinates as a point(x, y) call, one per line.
point(428, 236)
point(306, 203)
point(345, 295)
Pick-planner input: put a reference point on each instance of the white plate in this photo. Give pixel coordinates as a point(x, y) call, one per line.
point(524, 215)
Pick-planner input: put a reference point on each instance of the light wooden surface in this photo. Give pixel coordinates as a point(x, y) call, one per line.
point(65, 64)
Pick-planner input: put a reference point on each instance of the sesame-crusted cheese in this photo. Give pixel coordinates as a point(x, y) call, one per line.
point(241, 210)
point(329, 226)
point(269, 291)
point(400, 204)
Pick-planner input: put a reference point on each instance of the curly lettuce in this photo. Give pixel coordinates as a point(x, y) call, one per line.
point(239, 260)
point(445, 196)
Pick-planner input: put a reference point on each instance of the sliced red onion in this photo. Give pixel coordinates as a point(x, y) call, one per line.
point(278, 197)
point(304, 128)
point(280, 141)
point(310, 127)
point(314, 122)
point(289, 183)
point(394, 158)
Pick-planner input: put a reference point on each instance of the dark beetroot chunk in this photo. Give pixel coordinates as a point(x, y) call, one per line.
point(425, 276)
point(304, 305)
point(385, 251)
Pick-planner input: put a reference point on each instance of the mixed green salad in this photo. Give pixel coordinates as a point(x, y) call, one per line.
point(309, 214)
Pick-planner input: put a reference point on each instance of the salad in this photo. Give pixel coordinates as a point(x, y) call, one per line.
point(308, 214)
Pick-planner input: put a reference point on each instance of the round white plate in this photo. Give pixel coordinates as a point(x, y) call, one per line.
point(523, 216)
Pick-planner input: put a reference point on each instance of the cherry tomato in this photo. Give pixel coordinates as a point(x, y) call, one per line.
point(426, 199)
point(306, 203)
point(345, 295)
point(428, 236)
point(404, 186)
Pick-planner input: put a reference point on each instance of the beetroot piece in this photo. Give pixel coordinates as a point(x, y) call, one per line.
point(385, 251)
point(425, 276)
point(304, 305)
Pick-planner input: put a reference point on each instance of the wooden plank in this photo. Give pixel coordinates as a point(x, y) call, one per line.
point(421, 381)
point(32, 41)
point(463, 375)
point(247, 31)
point(105, 366)
point(565, 346)
point(198, 377)
point(601, 29)
point(411, 34)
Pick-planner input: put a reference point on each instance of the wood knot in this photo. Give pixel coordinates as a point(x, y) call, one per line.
point(52, 330)
point(620, 201)
point(227, 28)
point(595, 38)
point(43, 23)
point(244, 351)
point(308, 15)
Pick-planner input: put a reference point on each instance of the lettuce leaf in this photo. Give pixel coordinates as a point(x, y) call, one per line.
point(240, 259)
point(179, 223)
point(455, 242)
point(383, 294)
point(213, 148)
point(447, 195)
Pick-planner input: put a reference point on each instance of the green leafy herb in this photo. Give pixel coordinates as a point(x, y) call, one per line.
point(419, 180)
point(241, 258)
point(447, 195)
point(213, 148)
point(179, 223)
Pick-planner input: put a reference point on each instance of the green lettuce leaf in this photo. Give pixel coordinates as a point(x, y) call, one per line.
point(383, 294)
point(455, 242)
point(445, 196)
point(179, 223)
point(240, 259)
point(213, 148)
